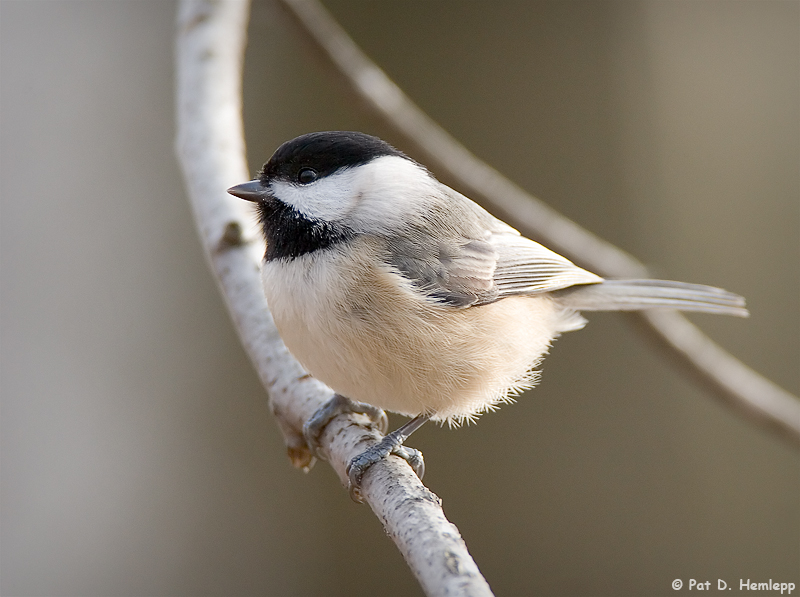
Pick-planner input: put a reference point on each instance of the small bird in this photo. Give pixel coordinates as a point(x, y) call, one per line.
point(402, 294)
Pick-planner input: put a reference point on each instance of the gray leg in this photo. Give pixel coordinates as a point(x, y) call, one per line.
point(339, 405)
point(390, 444)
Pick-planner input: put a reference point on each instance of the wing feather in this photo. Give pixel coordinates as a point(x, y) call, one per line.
point(461, 255)
point(526, 267)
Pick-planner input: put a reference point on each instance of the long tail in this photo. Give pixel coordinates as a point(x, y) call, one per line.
point(634, 295)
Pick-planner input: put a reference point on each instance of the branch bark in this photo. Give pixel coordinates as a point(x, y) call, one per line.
point(210, 45)
point(734, 384)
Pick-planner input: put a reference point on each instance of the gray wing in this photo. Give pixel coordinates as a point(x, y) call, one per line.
point(461, 255)
point(526, 267)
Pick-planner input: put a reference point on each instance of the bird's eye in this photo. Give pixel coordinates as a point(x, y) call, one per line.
point(306, 176)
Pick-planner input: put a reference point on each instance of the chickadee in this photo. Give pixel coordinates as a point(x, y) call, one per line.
point(401, 293)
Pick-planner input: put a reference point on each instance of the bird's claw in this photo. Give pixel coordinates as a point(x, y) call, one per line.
point(339, 405)
point(388, 445)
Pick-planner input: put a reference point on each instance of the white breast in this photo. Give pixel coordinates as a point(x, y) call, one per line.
point(361, 329)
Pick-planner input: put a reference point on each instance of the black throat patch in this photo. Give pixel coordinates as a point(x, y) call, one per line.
point(290, 234)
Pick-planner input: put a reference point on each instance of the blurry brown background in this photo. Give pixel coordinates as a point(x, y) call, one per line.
point(138, 453)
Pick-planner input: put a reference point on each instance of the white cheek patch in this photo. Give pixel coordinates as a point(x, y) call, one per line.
point(391, 189)
point(369, 196)
point(329, 198)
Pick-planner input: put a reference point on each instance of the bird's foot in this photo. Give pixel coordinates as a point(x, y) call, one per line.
point(390, 444)
point(339, 405)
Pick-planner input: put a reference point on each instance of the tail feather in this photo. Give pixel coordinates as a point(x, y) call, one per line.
point(635, 295)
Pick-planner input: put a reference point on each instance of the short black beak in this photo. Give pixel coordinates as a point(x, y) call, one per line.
point(250, 191)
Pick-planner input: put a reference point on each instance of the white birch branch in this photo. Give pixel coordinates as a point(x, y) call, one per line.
point(210, 48)
point(734, 384)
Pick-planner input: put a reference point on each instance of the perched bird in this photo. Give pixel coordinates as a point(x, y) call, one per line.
point(401, 293)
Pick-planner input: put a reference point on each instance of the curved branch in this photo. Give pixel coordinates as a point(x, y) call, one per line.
point(210, 49)
point(733, 383)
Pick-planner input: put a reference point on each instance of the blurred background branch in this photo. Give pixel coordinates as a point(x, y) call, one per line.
point(734, 384)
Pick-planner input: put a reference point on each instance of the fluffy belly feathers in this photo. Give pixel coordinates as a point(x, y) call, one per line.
point(353, 330)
